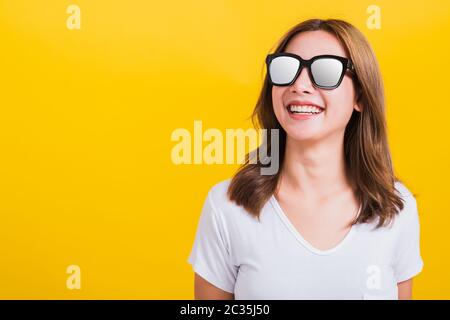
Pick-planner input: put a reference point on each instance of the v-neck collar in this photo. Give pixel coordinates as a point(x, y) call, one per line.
point(301, 239)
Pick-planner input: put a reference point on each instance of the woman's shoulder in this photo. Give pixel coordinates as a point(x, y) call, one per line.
point(405, 193)
point(405, 217)
point(218, 196)
point(409, 214)
point(402, 189)
point(218, 191)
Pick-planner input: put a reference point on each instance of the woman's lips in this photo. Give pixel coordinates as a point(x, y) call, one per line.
point(299, 116)
point(302, 116)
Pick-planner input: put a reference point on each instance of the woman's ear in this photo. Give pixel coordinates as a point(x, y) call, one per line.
point(358, 104)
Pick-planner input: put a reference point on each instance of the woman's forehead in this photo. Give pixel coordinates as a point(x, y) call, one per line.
point(313, 43)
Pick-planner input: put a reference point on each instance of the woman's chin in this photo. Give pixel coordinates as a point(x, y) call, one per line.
point(304, 136)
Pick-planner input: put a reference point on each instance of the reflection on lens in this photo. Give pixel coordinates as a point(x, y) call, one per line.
point(283, 69)
point(326, 71)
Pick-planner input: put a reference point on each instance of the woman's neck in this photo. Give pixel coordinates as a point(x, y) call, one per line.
point(314, 169)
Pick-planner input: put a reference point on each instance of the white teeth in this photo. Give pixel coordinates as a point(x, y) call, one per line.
point(304, 109)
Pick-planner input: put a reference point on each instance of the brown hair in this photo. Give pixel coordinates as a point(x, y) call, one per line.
point(365, 140)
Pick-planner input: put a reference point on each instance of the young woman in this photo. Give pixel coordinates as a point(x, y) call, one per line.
point(334, 222)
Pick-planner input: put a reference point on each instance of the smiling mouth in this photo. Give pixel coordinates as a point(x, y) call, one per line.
point(304, 109)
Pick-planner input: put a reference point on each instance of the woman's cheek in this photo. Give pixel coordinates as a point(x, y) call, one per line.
point(277, 101)
point(339, 104)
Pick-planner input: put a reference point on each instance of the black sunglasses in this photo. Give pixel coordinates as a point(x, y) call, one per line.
point(326, 71)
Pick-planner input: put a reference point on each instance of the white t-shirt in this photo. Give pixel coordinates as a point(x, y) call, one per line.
point(269, 259)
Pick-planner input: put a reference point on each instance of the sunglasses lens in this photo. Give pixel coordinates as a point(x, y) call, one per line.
point(326, 71)
point(283, 69)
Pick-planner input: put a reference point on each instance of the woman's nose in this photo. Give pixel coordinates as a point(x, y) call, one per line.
point(303, 82)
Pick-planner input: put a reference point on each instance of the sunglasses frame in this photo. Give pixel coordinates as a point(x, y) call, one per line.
point(346, 64)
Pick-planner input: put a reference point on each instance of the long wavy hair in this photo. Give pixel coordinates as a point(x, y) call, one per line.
point(367, 157)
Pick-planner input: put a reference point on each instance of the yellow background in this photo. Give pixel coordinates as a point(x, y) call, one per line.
point(86, 117)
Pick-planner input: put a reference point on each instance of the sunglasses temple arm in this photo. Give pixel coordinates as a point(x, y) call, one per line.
point(350, 66)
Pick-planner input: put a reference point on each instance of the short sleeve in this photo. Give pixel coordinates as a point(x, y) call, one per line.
point(210, 254)
point(408, 260)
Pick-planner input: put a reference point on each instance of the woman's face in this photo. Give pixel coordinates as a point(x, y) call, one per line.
point(338, 103)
